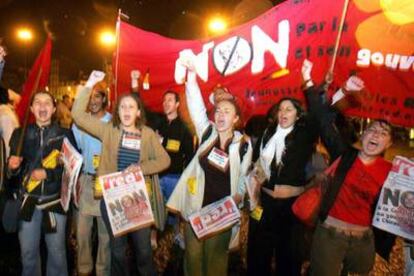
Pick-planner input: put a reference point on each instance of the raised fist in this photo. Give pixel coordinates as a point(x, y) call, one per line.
point(135, 74)
point(306, 69)
point(94, 78)
point(186, 59)
point(354, 84)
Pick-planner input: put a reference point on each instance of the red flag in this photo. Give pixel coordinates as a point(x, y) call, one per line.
point(259, 62)
point(38, 75)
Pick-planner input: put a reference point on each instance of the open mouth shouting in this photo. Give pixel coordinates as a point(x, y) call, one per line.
point(375, 140)
point(372, 145)
point(126, 119)
point(43, 114)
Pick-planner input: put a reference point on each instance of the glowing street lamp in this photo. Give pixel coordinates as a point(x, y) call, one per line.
point(24, 34)
point(217, 25)
point(107, 39)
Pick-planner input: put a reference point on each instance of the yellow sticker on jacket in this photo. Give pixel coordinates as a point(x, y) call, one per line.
point(149, 186)
point(192, 185)
point(51, 161)
point(257, 213)
point(173, 145)
point(95, 161)
point(97, 189)
point(32, 184)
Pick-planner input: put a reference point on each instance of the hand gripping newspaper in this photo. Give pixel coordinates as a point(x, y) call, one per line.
point(215, 218)
point(72, 163)
point(126, 201)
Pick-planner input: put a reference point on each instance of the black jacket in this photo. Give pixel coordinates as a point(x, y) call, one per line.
point(52, 138)
point(299, 147)
point(176, 130)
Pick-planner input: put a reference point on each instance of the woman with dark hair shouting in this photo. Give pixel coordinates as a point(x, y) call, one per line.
point(282, 154)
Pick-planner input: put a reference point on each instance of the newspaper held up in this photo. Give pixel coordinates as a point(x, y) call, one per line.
point(126, 201)
point(395, 209)
point(72, 163)
point(215, 218)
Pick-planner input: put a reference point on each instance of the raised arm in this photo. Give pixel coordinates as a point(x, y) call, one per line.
point(195, 102)
point(82, 118)
point(325, 116)
point(324, 113)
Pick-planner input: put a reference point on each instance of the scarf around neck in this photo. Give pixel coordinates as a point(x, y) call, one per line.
point(273, 148)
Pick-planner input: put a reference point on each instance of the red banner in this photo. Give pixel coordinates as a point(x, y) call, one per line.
point(260, 61)
point(39, 71)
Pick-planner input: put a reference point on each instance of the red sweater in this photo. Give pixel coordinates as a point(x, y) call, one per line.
point(357, 195)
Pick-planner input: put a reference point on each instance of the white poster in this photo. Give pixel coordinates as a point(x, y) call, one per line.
point(72, 162)
point(214, 218)
point(395, 208)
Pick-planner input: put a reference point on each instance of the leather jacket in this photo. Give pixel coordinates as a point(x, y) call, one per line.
point(50, 137)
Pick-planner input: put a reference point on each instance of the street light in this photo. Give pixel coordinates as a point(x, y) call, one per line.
point(217, 25)
point(107, 39)
point(25, 35)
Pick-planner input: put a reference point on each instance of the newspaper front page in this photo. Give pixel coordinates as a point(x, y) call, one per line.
point(126, 200)
point(215, 218)
point(72, 162)
point(395, 209)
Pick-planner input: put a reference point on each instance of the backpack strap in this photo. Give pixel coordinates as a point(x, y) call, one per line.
point(243, 147)
point(207, 133)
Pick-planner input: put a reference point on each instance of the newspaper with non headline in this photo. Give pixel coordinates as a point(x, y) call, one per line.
point(395, 208)
point(126, 201)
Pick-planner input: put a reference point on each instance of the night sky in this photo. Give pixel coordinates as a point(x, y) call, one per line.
point(75, 24)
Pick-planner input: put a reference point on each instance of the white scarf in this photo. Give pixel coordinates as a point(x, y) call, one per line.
point(273, 148)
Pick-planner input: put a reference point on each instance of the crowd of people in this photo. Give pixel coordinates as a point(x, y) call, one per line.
point(195, 172)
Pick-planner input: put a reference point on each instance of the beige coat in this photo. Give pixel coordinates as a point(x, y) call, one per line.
point(153, 158)
point(188, 194)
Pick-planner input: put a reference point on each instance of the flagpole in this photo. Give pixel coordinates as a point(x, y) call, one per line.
point(338, 36)
point(26, 114)
point(118, 33)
